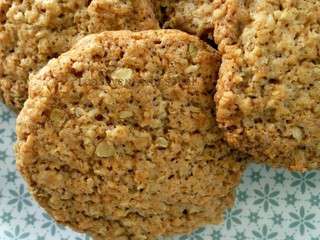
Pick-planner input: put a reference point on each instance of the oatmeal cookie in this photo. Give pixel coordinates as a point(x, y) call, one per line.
point(34, 31)
point(268, 98)
point(118, 137)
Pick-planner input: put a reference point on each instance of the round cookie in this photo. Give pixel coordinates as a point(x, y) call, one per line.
point(34, 31)
point(118, 137)
point(268, 91)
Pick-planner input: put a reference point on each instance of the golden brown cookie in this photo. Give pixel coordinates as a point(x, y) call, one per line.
point(34, 31)
point(118, 137)
point(268, 91)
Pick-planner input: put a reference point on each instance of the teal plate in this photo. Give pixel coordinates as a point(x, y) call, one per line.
point(270, 204)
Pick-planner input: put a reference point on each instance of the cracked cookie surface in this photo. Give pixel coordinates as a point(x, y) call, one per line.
point(268, 91)
point(118, 137)
point(34, 31)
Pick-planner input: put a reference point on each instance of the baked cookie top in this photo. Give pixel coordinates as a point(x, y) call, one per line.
point(268, 98)
point(34, 31)
point(118, 137)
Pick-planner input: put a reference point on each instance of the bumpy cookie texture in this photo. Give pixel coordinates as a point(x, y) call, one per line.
point(192, 16)
point(216, 20)
point(34, 31)
point(268, 92)
point(118, 137)
point(230, 17)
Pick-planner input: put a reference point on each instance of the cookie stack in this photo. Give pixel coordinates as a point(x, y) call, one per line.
point(118, 133)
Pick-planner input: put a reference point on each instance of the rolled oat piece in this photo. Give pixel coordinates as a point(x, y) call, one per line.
point(268, 90)
point(118, 137)
point(34, 31)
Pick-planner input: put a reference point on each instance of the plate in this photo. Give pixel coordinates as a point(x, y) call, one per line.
point(270, 204)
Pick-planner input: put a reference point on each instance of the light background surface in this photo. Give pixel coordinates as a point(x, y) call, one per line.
point(271, 204)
